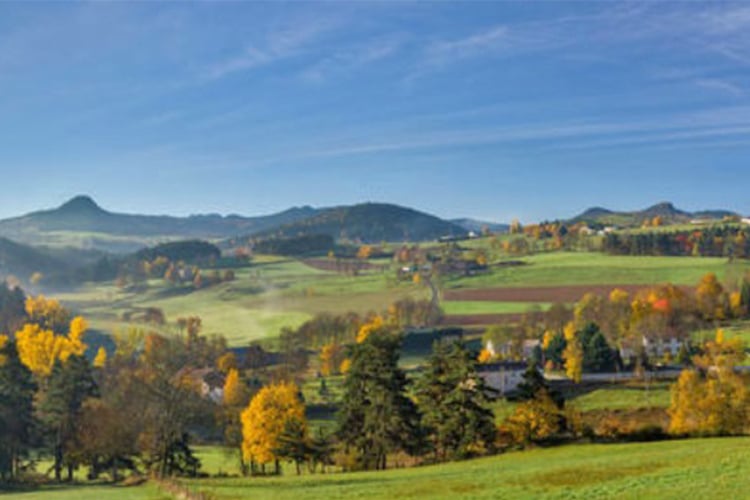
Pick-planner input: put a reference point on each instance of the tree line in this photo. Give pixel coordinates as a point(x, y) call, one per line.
point(715, 241)
point(143, 400)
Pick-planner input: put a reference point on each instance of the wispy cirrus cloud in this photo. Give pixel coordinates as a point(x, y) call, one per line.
point(491, 39)
point(279, 44)
point(720, 85)
point(717, 124)
point(346, 60)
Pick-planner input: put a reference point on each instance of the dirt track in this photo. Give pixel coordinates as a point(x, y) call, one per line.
point(536, 294)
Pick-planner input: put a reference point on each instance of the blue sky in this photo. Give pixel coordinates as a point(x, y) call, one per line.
point(490, 109)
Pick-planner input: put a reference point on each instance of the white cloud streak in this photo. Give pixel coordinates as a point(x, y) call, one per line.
point(279, 45)
point(591, 134)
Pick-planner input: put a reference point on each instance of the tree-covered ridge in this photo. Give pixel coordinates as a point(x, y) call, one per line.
point(308, 244)
point(668, 213)
point(82, 222)
point(94, 227)
point(189, 251)
point(373, 223)
point(714, 241)
point(23, 260)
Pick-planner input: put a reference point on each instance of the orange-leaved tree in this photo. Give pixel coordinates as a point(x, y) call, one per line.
point(712, 398)
point(266, 417)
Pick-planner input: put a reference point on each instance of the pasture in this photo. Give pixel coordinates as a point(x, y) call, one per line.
point(264, 298)
point(146, 491)
point(274, 292)
point(587, 268)
point(708, 468)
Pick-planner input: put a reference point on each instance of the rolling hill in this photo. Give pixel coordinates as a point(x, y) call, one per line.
point(478, 225)
point(666, 210)
point(22, 260)
point(369, 223)
point(81, 223)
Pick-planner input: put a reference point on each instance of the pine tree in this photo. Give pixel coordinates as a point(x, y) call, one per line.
point(453, 400)
point(376, 416)
point(554, 349)
point(745, 296)
point(597, 355)
point(293, 444)
point(16, 412)
point(321, 450)
point(69, 385)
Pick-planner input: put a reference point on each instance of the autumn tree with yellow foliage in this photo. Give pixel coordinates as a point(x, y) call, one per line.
point(236, 396)
point(534, 420)
point(264, 420)
point(101, 358)
point(39, 347)
point(331, 356)
point(49, 314)
point(573, 353)
point(485, 356)
point(375, 324)
point(712, 399)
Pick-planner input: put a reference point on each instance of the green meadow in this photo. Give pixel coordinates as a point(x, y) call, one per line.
point(274, 293)
point(490, 307)
point(146, 491)
point(708, 468)
point(587, 268)
point(264, 298)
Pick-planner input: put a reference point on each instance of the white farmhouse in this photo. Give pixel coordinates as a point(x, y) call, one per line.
point(506, 349)
point(653, 347)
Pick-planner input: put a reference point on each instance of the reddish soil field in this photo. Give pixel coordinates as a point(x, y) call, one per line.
point(537, 294)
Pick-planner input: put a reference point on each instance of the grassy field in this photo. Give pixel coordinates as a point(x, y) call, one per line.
point(264, 298)
point(91, 492)
point(274, 293)
point(624, 397)
point(486, 307)
point(709, 468)
point(613, 397)
point(581, 268)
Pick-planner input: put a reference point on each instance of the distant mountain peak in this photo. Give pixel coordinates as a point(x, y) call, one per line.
point(80, 204)
point(664, 208)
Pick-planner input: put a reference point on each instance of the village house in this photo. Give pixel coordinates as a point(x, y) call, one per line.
point(506, 349)
point(209, 381)
point(653, 347)
point(502, 376)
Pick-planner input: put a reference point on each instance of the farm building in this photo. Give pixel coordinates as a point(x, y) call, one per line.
point(506, 349)
point(653, 347)
point(210, 382)
point(502, 376)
